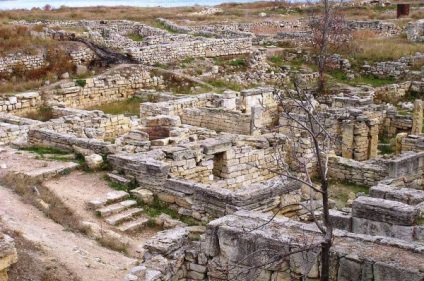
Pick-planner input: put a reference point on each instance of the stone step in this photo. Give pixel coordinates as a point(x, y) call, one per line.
point(134, 225)
point(116, 208)
point(118, 179)
point(124, 216)
point(111, 197)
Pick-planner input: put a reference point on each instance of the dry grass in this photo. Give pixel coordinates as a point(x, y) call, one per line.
point(384, 49)
point(16, 39)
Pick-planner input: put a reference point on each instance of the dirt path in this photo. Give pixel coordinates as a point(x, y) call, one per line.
point(82, 257)
point(78, 188)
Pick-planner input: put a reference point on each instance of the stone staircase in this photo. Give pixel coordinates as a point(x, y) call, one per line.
point(120, 211)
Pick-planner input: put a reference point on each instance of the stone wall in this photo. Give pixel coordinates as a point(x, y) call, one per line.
point(14, 128)
point(118, 85)
point(248, 246)
point(199, 48)
point(175, 107)
point(415, 31)
point(62, 141)
point(412, 143)
point(21, 104)
point(27, 62)
point(218, 119)
point(362, 173)
point(80, 54)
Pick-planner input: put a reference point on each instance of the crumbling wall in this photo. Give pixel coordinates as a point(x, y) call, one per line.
point(116, 86)
point(415, 31)
point(248, 246)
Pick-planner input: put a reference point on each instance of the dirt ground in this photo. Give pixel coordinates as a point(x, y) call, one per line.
point(78, 188)
point(46, 249)
point(55, 247)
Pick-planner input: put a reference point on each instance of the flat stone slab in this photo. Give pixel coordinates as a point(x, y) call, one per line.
point(382, 210)
point(405, 195)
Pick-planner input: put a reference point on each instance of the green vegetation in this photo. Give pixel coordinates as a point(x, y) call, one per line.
point(161, 65)
point(135, 37)
point(238, 62)
point(158, 207)
point(128, 107)
point(339, 191)
point(81, 82)
point(340, 76)
point(43, 113)
point(118, 186)
point(42, 151)
point(223, 85)
point(47, 153)
point(160, 25)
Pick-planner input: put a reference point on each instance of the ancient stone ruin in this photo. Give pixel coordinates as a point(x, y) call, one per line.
point(236, 168)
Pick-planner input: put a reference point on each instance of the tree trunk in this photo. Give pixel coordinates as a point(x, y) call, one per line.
point(325, 261)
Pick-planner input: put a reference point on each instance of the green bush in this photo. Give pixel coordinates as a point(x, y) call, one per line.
point(81, 82)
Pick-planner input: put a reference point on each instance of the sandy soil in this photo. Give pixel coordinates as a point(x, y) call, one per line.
point(83, 258)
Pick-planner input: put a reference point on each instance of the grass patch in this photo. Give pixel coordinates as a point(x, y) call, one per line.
point(158, 207)
point(135, 37)
point(340, 76)
point(224, 85)
point(42, 151)
point(161, 65)
point(81, 82)
point(339, 191)
point(128, 107)
point(383, 49)
point(44, 113)
point(119, 186)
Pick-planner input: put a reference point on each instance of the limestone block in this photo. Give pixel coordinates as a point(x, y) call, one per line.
point(341, 220)
point(8, 254)
point(349, 269)
point(376, 228)
point(384, 211)
point(388, 272)
point(165, 242)
point(145, 195)
point(94, 161)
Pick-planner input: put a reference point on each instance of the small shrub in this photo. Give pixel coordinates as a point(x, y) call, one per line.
point(81, 82)
point(237, 62)
point(44, 113)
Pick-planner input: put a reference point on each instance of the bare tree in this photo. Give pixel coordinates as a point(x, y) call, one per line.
point(303, 157)
point(302, 115)
point(330, 33)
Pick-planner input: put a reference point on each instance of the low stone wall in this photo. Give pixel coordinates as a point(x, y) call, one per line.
point(27, 62)
point(21, 104)
point(412, 143)
point(52, 139)
point(361, 173)
point(80, 54)
point(394, 69)
point(218, 119)
point(175, 107)
point(200, 48)
point(120, 85)
point(233, 167)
